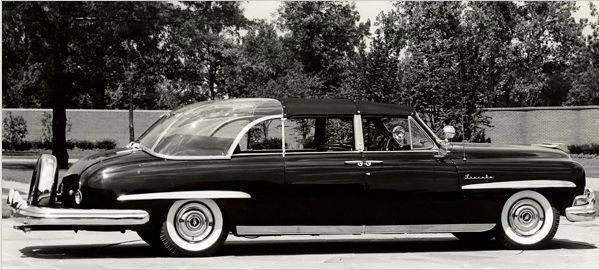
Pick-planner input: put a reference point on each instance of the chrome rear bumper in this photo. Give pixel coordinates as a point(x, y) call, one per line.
point(584, 207)
point(30, 217)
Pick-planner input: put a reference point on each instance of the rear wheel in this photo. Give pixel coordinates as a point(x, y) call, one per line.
point(193, 228)
point(528, 221)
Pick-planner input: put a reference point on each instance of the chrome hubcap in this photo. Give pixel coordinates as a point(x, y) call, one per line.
point(194, 222)
point(526, 217)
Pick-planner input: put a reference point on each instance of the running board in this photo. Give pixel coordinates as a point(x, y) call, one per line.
point(370, 229)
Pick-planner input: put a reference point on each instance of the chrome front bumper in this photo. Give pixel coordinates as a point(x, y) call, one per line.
point(584, 207)
point(29, 217)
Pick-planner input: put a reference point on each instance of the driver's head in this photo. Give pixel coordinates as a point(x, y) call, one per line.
point(398, 134)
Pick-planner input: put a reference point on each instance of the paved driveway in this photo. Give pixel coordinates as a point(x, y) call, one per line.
point(575, 246)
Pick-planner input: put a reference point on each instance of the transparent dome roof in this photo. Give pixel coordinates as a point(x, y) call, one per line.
point(206, 128)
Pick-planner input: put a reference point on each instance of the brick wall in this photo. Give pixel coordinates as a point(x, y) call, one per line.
point(511, 125)
point(91, 125)
point(567, 125)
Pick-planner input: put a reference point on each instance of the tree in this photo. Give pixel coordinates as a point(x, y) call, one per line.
point(324, 37)
point(46, 33)
point(434, 59)
point(584, 70)
point(204, 40)
point(72, 48)
point(264, 68)
point(545, 40)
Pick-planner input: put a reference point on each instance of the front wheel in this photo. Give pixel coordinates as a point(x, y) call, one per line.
point(193, 228)
point(528, 221)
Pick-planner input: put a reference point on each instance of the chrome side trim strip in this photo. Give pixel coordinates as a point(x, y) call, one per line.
point(298, 230)
point(205, 194)
point(370, 229)
point(404, 151)
point(256, 154)
point(323, 152)
point(429, 228)
point(521, 184)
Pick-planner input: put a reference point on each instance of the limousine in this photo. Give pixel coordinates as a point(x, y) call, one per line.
point(256, 167)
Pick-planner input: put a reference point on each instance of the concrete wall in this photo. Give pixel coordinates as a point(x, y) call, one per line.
point(569, 125)
point(511, 125)
point(91, 125)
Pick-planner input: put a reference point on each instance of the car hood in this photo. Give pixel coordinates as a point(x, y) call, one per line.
point(488, 150)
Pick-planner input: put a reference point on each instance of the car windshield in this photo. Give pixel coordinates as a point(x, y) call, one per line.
point(205, 128)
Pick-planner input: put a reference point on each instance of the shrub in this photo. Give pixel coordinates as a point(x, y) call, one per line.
point(14, 130)
point(70, 144)
point(589, 148)
point(84, 144)
point(19, 146)
point(41, 144)
point(106, 144)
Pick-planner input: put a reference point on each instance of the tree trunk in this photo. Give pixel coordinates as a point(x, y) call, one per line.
point(58, 84)
point(131, 127)
point(99, 93)
point(58, 87)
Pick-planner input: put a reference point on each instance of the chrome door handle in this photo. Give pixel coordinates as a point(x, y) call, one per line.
point(355, 162)
point(368, 163)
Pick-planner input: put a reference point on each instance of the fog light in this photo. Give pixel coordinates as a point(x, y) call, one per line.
point(78, 197)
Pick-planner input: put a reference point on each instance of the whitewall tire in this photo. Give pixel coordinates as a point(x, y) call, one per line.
point(528, 221)
point(193, 228)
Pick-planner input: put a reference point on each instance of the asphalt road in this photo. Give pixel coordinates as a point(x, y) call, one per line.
point(575, 246)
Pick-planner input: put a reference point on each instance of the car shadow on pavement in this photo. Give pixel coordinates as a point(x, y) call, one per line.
point(137, 249)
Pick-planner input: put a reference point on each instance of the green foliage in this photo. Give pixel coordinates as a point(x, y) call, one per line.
point(589, 148)
point(14, 130)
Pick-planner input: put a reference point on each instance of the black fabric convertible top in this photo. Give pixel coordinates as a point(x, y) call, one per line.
point(297, 106)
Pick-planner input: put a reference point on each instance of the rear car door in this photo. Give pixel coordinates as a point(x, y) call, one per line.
point(322, 170)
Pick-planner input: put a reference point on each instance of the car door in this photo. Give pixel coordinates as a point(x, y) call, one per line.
point(403, 183)
point(322, 171)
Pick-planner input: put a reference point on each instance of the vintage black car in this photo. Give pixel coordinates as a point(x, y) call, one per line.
point(255, 167)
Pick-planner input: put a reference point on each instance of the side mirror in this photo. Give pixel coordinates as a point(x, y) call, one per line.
point(449, 132)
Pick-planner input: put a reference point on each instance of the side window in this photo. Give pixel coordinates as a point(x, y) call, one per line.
point(386, 133)
point(394, 134)
point(319, 134)
point(263, 137)
point(420, 140)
